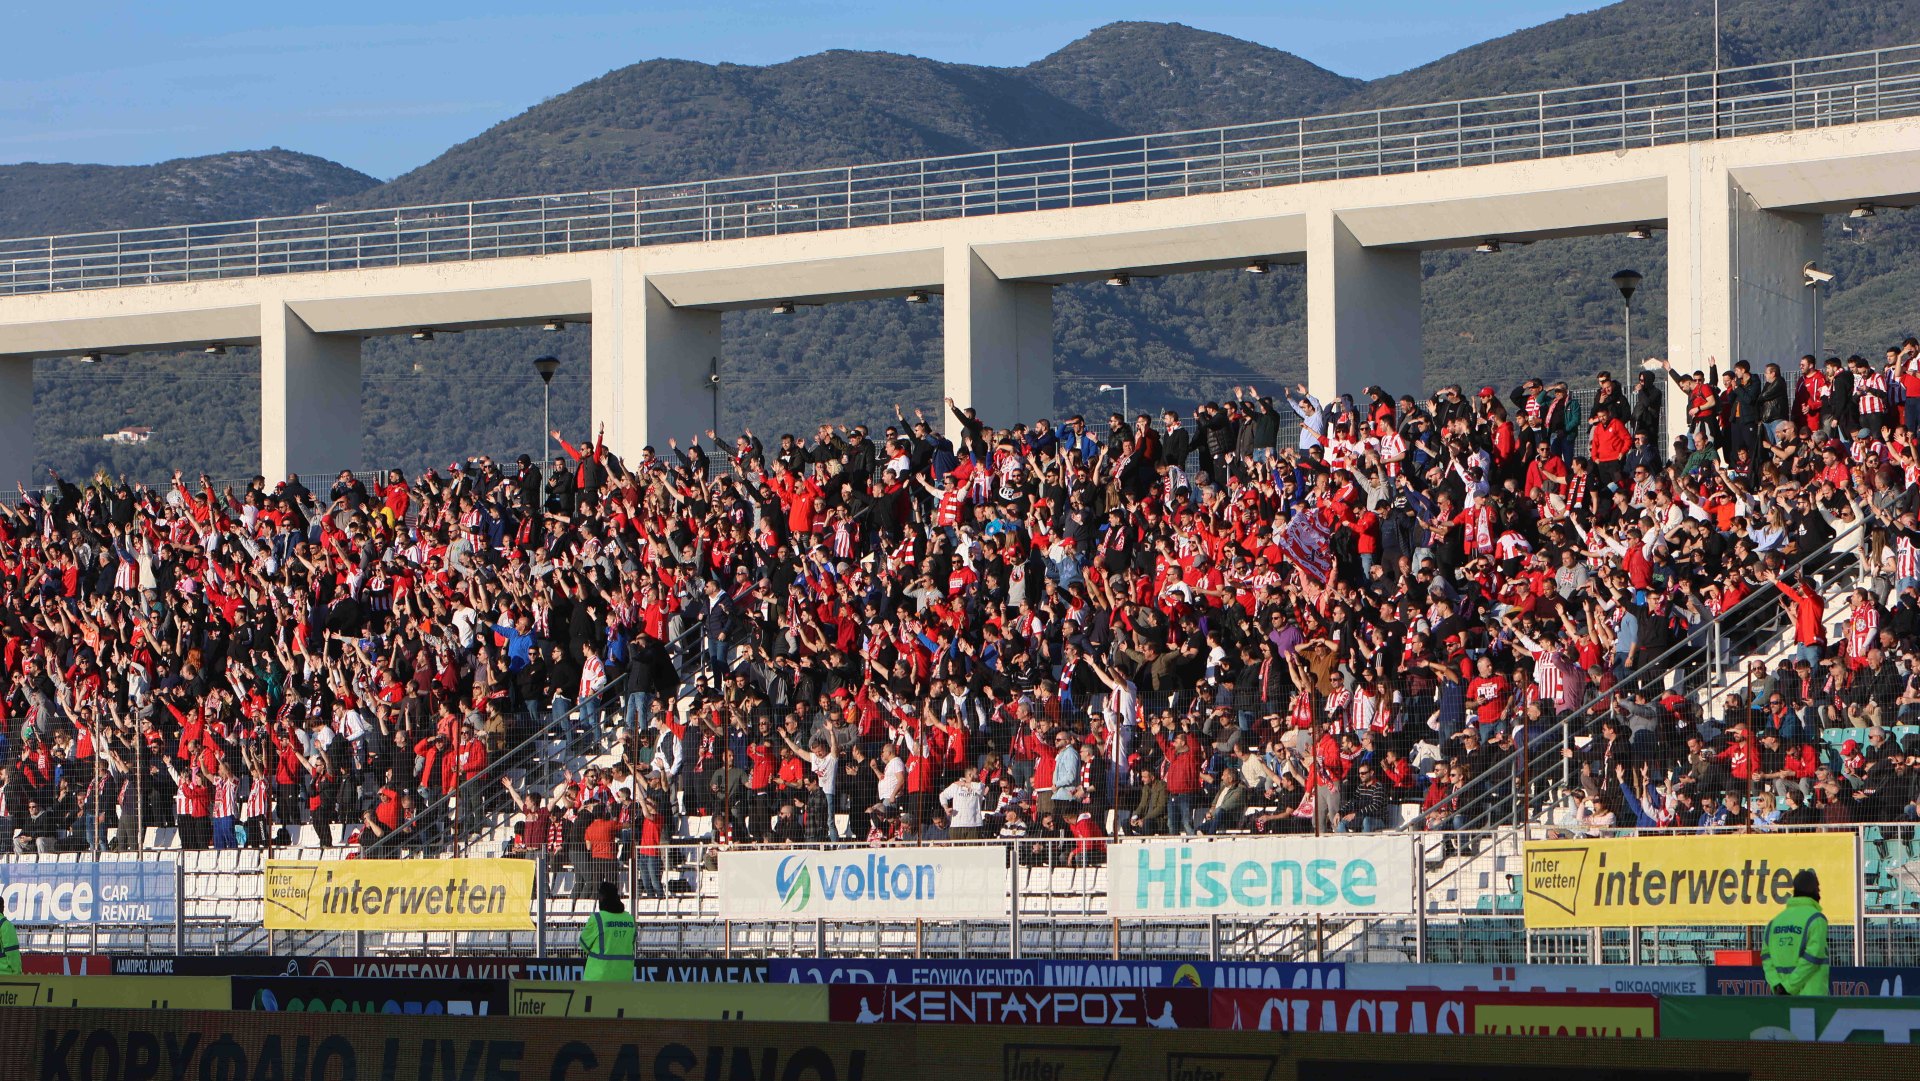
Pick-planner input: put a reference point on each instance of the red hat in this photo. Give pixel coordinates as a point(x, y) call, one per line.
point(1486, 392)
point(1851, 746)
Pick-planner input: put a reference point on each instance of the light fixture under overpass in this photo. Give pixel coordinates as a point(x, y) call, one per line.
point(1864, 210)
point(1119, 280)
point(1488, 246)
point(424, 334)
point(1627, 281)
point(553, 325)
point(215, 349)
point(1259, 266)
point(1640, 232)
point(918, 296)
point(785, 307)
point(546, 366)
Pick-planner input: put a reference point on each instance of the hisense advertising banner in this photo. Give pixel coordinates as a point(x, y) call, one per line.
point(1356, 875)
point(947, 882)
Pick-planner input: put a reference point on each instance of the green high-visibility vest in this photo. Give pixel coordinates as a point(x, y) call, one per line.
point(9, 948)
point(1796, 949)
point(607, 940)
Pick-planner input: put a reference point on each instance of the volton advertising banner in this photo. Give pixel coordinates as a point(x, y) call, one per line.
point(949, 882)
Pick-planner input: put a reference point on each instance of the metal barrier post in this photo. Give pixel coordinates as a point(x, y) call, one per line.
point(1860, 899)
point(180, 908)
point(1013, 902)
point(1213, 937)
point(540, 905)
point(1419, 901)
point(820, 937)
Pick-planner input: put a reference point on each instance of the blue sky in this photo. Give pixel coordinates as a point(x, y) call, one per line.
point(385, 87)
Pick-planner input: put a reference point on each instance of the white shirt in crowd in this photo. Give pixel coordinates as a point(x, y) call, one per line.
point(963, 800)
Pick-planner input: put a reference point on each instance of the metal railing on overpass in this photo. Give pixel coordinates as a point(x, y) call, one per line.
point(1790, 95)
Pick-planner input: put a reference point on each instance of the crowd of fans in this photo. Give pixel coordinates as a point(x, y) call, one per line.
point(1271, 614)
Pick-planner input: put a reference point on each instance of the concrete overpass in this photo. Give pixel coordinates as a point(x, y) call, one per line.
point(1733, 168)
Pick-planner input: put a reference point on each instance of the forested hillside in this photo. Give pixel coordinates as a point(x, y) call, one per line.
point(1488, 318)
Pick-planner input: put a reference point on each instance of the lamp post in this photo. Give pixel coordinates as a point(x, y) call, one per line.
point(1126, 415)
point(546, 366)
point(1627, 281)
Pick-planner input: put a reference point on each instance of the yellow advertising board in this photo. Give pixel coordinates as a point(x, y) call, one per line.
point(1725, 879)
point(119, 992)
point(399, 895)
point(672, 1002)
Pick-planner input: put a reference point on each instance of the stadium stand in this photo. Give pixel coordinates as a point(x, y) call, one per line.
point(1447, 616)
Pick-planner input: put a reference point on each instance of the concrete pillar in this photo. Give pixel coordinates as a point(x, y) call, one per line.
point(652, 363)
point(999, 343)
point(1736, 286)
point(1363, 314)
point(309, 397)
point(16, 423)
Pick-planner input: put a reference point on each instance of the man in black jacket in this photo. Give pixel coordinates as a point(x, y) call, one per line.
point(1176, 443)
point(1772, 401)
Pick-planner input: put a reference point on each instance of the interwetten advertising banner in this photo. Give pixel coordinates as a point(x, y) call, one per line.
point(399, 895)
point(94, 891)
point(950, 882)
point(1708, 880)
point(1262, 876)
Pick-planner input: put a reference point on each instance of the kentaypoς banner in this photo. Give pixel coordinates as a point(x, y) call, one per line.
point(1262, 876)
point(93, 891)
point(399, 895)
point(1704, 880)
point(959, 881)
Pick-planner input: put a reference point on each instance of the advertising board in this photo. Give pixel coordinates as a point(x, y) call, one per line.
point(1844, 981)
point(1594, 979)
point(81, 1044)
point(399, 895)
point(117, 992)
point(653, 1001)
point(1059, 973)
point(66, 964)
point(91, 891)
point(1703, 880)
point(1050, 1007)
point(323, 994)
point(1801, 1020)
point(960, 882)
point(1347, 875)
point(1438, 1013)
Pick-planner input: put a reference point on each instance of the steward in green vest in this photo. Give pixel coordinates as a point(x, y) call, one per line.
point(607, 939)
point(1796, 946)
point(9, 945)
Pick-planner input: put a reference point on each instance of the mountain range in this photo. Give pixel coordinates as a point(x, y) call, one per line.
point(1546, 308)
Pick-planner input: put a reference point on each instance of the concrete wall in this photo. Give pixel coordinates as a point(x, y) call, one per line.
point(1363, 313)
point(1740, 215)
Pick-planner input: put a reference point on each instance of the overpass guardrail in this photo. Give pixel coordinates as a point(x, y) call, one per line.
point(1792, 95)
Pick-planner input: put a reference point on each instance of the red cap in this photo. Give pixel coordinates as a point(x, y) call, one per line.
point(1486, 392)
point(1851, 746)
